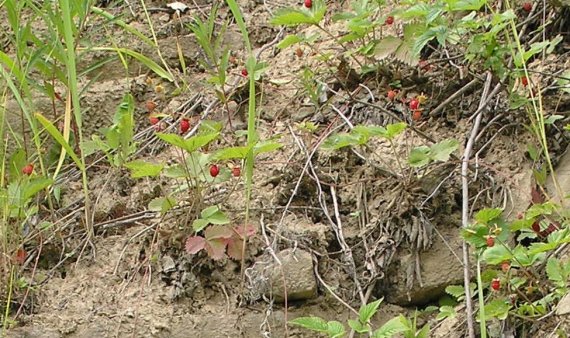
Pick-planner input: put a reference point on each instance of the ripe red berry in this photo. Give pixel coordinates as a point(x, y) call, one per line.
point(524, 81)
point(150, 106)
point(154, 120)
point(244, 72)
point(414, 104)
point(389, 20)
point(536, 226)
point(496, 284)
point(236, 171)
point(28, 169)
point(184, 126)
point(391, 95)
point(417, 115)
point(527, 6)
point(490, 241)
point(308, 3)
point(214, 170)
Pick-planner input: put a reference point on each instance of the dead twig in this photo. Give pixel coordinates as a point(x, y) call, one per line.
point(465, 204)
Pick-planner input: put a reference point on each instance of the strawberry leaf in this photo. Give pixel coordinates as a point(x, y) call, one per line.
point(235, 248)
point(247, 231)
point(195, 244)
point(216, 248)
point(140, 168)
point(218, 232)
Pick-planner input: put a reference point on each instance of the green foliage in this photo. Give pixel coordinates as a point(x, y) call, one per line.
point(424, 155)
point(210, 215)
point(118, 143)
point(294, 17)
point(362, 325)
point(515, 266)
point(361, 134)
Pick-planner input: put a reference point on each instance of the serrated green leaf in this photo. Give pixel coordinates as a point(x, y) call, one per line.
point(335, 329)
point(294, 17)
point(442, 150)
point(486, 215)
point(214, 215)
point(289, 40)
point(390, 328)
point(198, 141)
point(33, 186)
point(265, 147)
point(231, 153)
point(367, 311)
point(455, 290)
point(311, 323)
point(162, 204)
point(498, 308)
point(357, 326)
point(419, 156)
point(140, 168)
point(496, 255)
point(199, 224)
point(395, 129)
point(552, 118)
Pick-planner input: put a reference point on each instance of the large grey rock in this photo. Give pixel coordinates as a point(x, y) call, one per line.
point(440, 266)
point(292, 277)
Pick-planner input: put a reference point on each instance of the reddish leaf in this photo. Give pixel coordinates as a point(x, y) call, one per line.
point(250, 230)
point(216, 248)
point(536, 195)
point(235, 249)
point(195, 244)
point(218, 231)
point(20, 256)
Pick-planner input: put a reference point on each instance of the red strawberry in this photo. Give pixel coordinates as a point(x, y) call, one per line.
point(236, 171)
point(524, 81)
point(150, 106)
point(496, 284)
point(184, 126)
point(490, 241)
point(527, 6)
point(154, 120)
point(414, 104)
point(244, 72)
point(391, 95)
point(214, 170)
point(417, 115)
point(308, 3)
point(389, 20)
point(28, 169)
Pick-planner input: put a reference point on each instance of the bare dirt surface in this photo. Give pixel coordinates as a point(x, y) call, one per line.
point(137, 280)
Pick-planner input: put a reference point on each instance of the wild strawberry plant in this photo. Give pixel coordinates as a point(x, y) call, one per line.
point(524, 275)
point(362, 325)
